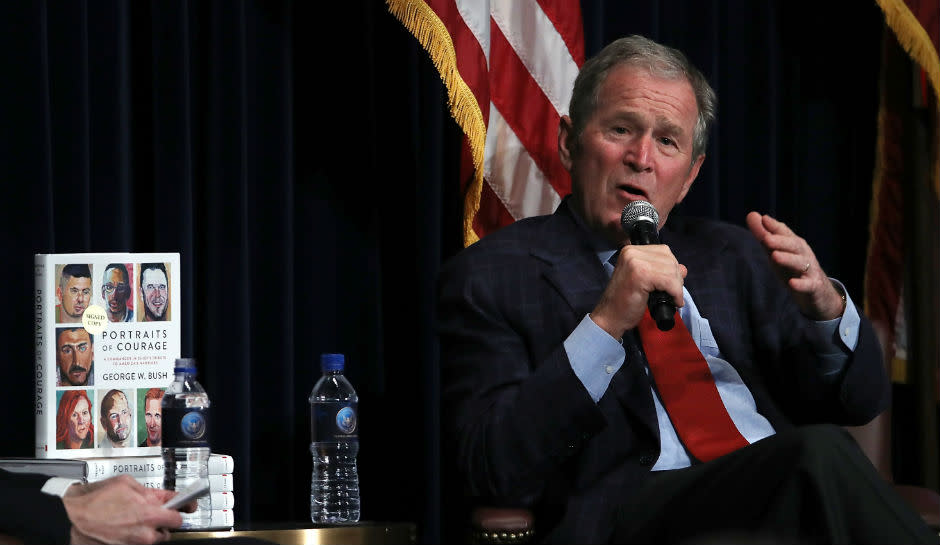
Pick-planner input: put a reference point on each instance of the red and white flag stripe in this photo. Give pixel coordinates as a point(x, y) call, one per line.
point(508, 65)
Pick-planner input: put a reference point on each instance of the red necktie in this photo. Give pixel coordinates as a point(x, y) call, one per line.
point(688, 391)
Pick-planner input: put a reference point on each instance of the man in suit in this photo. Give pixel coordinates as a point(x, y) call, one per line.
point(551, 401)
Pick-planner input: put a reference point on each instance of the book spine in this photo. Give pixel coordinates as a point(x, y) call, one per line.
point(222, 517)
point(222, 500)
point(217, 483)
point(42, 406)
point(220, 463)
point(146, 466)
point(139, 466)
point(221, 483)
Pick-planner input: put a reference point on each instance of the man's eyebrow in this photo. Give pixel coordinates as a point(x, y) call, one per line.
point(667, 126)
point(663, 124)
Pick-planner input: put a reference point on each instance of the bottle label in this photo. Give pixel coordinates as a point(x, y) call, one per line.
point(334, 420)
point(185, 427)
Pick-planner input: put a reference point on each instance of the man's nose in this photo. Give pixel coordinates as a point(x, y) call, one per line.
point(637, 155)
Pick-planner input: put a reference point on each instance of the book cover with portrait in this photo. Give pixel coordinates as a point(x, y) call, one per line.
point(107, 334)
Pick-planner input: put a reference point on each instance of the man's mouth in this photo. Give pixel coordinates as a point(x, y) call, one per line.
point(79, 309)
point(633, 192)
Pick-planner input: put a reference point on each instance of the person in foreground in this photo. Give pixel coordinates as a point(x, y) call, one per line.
point(556, 385)
point(37, 509)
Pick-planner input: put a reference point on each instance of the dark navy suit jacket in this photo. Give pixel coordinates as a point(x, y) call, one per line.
point(521, 426)
point(29, 514)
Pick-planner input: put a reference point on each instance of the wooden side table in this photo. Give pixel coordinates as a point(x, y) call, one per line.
point(361, 533)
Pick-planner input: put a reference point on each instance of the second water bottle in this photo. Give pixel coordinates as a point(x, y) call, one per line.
point(334, 486)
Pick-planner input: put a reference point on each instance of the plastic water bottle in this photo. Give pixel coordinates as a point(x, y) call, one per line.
point(185, 438)
point(334, 487)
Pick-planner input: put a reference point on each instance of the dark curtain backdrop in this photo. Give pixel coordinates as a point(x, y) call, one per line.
point(301, 159)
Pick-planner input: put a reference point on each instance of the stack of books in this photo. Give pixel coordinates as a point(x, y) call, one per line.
point(147, 470)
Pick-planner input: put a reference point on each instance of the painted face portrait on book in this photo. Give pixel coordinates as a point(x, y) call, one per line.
point(74, 427)
point(116, 292)
point(155, 289)
point(153, 418)
point(73, 292)
point(116, 417)
point(75, 356)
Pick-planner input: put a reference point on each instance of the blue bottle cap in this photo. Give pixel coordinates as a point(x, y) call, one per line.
point(185, 365)
point(332, 362)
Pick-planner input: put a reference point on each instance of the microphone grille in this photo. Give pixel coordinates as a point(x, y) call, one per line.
point(638, 211)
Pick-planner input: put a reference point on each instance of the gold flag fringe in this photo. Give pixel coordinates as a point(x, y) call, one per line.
point(914, 39)
point(432, 34)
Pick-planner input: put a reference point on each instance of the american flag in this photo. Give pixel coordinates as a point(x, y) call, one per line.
point(509, 66)
point(916, 26)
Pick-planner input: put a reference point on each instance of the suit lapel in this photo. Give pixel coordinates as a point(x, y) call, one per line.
point(712, 283)
point(576, 274)
point(573, 269)
point(707, 281)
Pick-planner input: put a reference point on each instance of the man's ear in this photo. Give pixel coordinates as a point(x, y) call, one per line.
point(58, 295)
point(693, 173)
point(566, 141)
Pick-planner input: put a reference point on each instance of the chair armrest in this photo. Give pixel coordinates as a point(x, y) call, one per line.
point(502, 525)
point(925, 501)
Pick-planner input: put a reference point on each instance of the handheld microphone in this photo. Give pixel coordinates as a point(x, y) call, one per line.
point(639, 220)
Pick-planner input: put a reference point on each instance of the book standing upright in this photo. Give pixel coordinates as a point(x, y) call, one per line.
point(107, 334)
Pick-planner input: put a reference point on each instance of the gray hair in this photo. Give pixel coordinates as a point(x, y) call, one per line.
point(661, 61)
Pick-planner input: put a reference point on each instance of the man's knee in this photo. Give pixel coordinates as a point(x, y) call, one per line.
point(824, 445)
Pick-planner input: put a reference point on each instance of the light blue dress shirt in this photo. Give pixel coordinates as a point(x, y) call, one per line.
point(595, 356)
